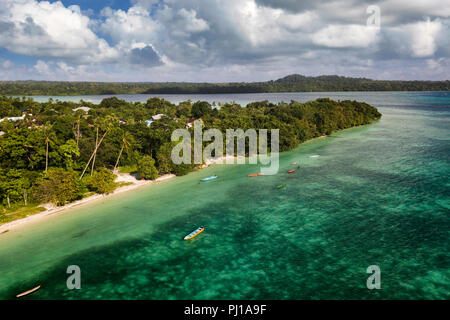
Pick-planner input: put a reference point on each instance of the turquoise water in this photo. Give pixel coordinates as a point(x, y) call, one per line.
point(373, 195)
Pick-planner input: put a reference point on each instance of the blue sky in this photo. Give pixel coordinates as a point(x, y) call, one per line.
point(97, 5)
point(221, 41)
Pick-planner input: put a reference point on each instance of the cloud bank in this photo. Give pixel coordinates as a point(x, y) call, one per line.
point(214, 40)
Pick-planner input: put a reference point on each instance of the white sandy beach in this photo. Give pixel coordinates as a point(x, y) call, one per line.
point(121, 177)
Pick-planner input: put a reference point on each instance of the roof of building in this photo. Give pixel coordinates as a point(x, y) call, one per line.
point(158, 116)
point(13, 118)
point(85, 109)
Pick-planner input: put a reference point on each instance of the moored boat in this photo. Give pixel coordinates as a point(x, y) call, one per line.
point(194, 233)
point(290, 171)
point(255, 175)
point(28, 292)
point(209, 178)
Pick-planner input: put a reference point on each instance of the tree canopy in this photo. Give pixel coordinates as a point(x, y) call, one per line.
point(58, 152)
point(291, 83)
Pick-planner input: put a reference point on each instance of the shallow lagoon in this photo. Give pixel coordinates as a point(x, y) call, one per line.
point(378, 194)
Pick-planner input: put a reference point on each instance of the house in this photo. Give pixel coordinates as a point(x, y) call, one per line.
point(14, 119)
point(1, 133)
point(191, 123)
point(85, 109)
point(158, 116)
point(122, 121)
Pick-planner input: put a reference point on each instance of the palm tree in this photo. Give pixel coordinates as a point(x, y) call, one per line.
point(47, 141)
point(126, 143)
point(76, 129)
point(47, 133)
point(108, 123)
point(95, 153)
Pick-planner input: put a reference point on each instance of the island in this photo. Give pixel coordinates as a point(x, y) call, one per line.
point(59, 152)
point(290, 83)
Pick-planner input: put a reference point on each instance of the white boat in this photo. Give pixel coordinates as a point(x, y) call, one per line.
point(194, 233)
point(209, 178)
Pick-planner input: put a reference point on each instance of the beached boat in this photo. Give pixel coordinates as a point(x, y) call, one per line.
point(28, 292)
point(255, 175)
point(194, 233)
point(209, 178)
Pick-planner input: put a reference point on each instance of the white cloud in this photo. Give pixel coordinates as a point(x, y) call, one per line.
point(134, 25)
point(6, 64)
point(233, 40)
point(423, 35)
point(403, 11)
point(42, 67)
point(341, 36)
point(191, 22)
point(64, 67)
point(46, 29)
point(419, 39)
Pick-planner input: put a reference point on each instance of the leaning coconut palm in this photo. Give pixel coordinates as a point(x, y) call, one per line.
point(126, 143)
point(106, 123)
point(96, 143)
point(49, 136)
point(76, 127)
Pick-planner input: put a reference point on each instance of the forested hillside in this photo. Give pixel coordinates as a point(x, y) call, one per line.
point(292, 83)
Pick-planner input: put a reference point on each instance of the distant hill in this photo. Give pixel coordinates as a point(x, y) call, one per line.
point(291, 83)
point(296, 82)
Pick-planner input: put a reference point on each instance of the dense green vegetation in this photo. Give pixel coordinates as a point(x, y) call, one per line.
point(58, 154)
point(292, 83)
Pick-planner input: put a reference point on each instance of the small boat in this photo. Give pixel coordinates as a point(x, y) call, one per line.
point(314, 156)
point(255, 175)
point(281, 186)
point(209, 178)
point(194, 233)
point(290, 171)
point(28, 292)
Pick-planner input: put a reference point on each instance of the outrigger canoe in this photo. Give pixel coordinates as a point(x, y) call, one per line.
point(194, 233)
point(255, 175)
point(209, 178)
point(28, 292)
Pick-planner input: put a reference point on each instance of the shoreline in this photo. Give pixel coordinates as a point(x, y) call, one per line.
point(121, 177)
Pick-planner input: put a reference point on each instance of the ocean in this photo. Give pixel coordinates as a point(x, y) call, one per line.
point(373, 195)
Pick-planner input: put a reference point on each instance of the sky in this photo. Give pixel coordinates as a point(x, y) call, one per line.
point(223, 40)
